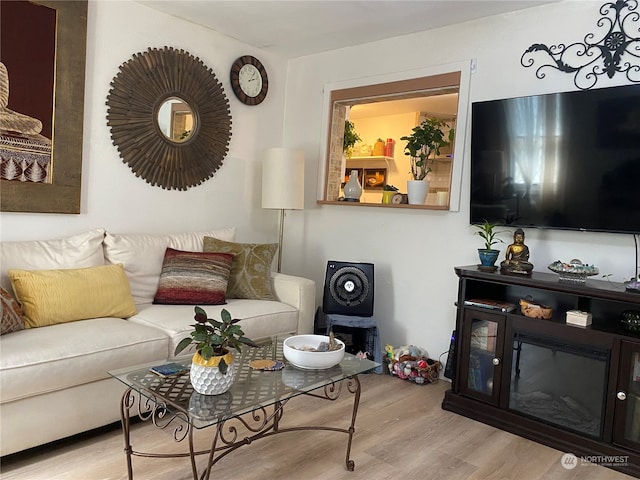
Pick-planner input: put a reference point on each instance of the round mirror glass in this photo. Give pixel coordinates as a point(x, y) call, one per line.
point(176, 120)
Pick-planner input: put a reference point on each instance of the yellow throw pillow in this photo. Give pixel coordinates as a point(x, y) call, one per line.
point(251, 269)
point(48, 297)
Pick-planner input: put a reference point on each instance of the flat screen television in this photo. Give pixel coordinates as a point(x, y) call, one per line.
point(565, 160)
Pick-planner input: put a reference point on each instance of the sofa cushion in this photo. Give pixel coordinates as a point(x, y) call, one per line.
point(142, 255)
point(251, 271)
point(41, 360)
point(77, 251)
point(260, 318)
point(10, 313)
point(48, 297)
point(189, 278)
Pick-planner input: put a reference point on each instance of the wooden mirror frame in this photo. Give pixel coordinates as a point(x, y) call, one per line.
point(142, 85)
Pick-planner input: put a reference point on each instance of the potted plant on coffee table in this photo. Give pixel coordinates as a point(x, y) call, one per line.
point(488, 255)
point(212, 366)
point(426, 141)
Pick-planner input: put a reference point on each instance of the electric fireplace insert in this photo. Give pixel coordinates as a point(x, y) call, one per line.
point(559, 382)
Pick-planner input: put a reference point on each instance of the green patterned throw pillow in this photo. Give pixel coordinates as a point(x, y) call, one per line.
point(251, 269)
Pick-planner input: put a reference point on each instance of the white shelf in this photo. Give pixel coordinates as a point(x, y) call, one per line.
point(371, 158)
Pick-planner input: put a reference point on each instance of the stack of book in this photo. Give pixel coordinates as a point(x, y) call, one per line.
point(491, 304)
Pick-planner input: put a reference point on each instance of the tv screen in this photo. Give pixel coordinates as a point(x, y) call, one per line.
point(564, 160)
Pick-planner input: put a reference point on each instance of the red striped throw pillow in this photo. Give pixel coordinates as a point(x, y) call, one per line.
point(190, 278)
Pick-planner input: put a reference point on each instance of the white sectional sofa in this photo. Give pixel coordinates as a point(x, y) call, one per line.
point(53, 379)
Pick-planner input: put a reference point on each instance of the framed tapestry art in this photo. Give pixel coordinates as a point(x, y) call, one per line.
point(41, 105)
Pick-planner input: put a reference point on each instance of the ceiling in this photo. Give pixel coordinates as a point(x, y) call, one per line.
point(297, 28)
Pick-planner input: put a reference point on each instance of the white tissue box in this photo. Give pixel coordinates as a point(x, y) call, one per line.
point(577, 317)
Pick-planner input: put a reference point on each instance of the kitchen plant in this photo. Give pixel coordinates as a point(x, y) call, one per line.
point(350, 138)
point(212, 368)
point(488, 255)
point(425, 140)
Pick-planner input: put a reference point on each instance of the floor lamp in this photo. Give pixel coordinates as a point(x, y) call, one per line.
point(283, 184)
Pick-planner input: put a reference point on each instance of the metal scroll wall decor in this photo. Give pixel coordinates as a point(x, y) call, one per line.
point(612, 49)
point(169, 118)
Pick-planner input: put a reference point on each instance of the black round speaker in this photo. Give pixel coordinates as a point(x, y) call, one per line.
point(349, 286)
point(348, 289)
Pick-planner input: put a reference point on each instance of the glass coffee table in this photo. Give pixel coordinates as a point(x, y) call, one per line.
point(256, 401)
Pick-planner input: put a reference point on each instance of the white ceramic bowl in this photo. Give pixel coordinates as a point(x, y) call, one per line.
point(311, 360)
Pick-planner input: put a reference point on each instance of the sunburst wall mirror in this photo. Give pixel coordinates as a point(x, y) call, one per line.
point(169, 118)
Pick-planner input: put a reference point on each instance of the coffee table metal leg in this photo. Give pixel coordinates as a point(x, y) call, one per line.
point(351, 465)
point(125, 409)
point(192, 456)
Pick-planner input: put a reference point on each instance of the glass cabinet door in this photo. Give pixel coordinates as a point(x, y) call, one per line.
point(627, 410)
point(482, 354)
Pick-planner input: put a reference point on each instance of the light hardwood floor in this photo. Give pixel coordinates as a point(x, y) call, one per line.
point(401, 433)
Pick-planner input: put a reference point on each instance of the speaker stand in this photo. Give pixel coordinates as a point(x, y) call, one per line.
point(369, 323)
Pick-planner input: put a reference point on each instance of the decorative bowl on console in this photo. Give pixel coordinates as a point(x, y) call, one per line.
point(535, 310)
point(573, 272)
point(633, 285)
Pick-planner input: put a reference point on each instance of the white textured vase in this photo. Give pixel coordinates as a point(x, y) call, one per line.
point(417, 191)
point(207, 379)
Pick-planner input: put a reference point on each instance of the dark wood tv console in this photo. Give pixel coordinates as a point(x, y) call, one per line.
point(576, 389)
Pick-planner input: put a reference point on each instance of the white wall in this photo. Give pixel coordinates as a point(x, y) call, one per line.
point(112, 196)
point(414, 252)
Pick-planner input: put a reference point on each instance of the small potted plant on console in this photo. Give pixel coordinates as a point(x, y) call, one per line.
point(488, 255)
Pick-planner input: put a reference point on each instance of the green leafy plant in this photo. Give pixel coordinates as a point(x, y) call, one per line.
point(487, 231)
point(350, 136)
point(427, 139)
point(214, 337)
point(390, 188)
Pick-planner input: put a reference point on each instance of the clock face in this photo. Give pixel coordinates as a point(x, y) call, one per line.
point(249, 80)
point(397, 198)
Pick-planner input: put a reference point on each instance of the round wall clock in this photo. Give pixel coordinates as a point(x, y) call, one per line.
point(249, 80)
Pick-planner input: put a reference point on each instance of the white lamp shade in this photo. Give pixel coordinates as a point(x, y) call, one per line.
point(283, 179)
